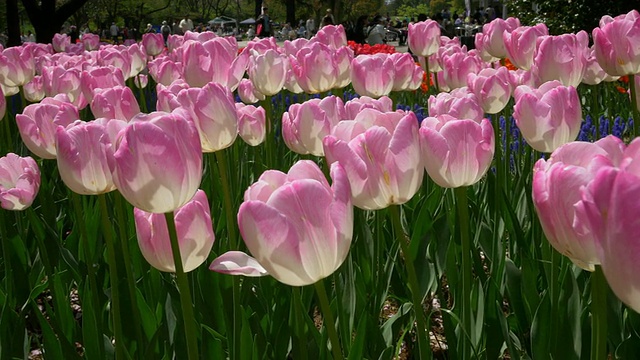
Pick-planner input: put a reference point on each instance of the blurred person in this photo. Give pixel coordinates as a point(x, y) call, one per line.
point(377, 32)
point(165, 30)
point(328, 19)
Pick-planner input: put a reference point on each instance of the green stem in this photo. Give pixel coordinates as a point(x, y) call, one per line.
point(329, 322)
point(421, 323)
point(268, 140)
point(128, 264)
point(299, 324)
point(189, 321)
point(113, 274)
point(223, 168)
point(465, 240)
point(634, 105)
point(4, 239)
point(598, 315)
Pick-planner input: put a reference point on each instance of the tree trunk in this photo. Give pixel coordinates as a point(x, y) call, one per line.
point(46, 19)
point(291, 12)
point(258, 8)
point(13, 23)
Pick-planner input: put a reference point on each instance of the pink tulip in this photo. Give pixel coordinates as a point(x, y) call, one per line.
point(315, 68)
point(408, 75)
point(617, 44)
point(141, 81)
point(343, 57)
point(38, 123)
point(115, 103)
point(268, 71)
point(521, 44)
point(60, 42)
point(100, 78)
point(608, 209)
point(34, 89)
point(355, 105)
point(291, 83)
point(492, 88)
point(91, 41)
point(174, 42)
point(213, 112)
point(562, 58)
point(153, 43)
point(492, 34)
point(456, 152)
point(248, 93)
point(305, 125)
point(372, 75)
point(333, 36)
point(456, 67)
point(594, 74)
point(9, 90)
point(58, 80)
point(83, 156)
point(557, 188)
point(194, 229)
point(292, 47)
point(17, 66)
point(460, 104)
point(168, 95)
point(157, 164)
point(112, 56)
point(424, 37)
point(165, 71)
point(19, 182)
point(214, 60)
point(381, 155)
point(138, 59)
point(251, 123)
point(549, 116)
point(522, 77)
point(298, 228)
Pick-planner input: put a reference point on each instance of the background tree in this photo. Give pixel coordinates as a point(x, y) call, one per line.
point(47, 18)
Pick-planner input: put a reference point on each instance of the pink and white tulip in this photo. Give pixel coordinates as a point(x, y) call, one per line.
point(492, 87)
point(562, 58)
point(157, 164)
point(424, 37)
point(521, 44)
point(115, 103)
point(456, 152)
point(381, 154)
point(251, 123)
point(460, 104)
point(153, 43)
point(19, 182)
point(372, 75)
point(297, 227)
point(617, 44)
point(91, 41)
point(549, 116)
point(194, 229)
point(268, 71)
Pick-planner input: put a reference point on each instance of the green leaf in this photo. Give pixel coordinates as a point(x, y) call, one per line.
point(92, 340)
point(540, 334)
point(357, 348)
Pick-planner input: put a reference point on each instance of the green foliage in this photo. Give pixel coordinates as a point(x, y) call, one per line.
point(412, 11)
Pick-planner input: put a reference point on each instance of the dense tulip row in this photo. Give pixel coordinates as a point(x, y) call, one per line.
point(94, 110)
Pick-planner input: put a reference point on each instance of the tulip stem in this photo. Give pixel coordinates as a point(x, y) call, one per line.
point(128, 263)
point(465, 296)
point(598, 315)
point(329, 322)
point(183, 287)
point(228, 205)
point(113, 274)
point(416, 298)
point(299, 324)
point(634, 105)
point(4, 239)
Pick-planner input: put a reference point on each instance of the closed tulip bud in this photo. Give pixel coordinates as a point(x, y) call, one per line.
point(100, 78)
point(460, 104)
point(315, 68)
point(297, 227)
point(111, 56)
point(251, 123)
point(19, 182)
point(214, 114)
point(58, 80)
point(608, 209)
point(521, 44)
point(407, 72)
point(268, 71)
point(153, 43)
point(492, 88)
point(17, 66)
point(115, 103)
point(372, 75)
point(456, 152)
point(305, 125)
point(355, 105)
point(34, 89)
point(212, 60)
point(557, 188)
point(138, 59)
point(91, 41)
point(493, 35)
point(332, 35)
point(424, 37)
point(60, 42)
point(457, 66)
point(549, 116)
point(194, 229)
point(248, 93)
point(168, 95)
point(381, 155)
point(38, 123)
point(157, 164)
point(562, 58)
point(616, 44)
point(84, 153)
point(164, 70)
